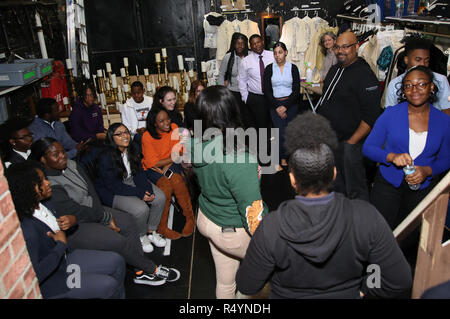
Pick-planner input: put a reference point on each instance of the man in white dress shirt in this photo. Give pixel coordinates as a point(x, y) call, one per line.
point(251, 80)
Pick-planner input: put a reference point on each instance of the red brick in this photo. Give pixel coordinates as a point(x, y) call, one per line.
point(17, 243)
point(36, 289)
point(3, 185)
point(29, 277)
point(15, 271)
point(8, 228)
point(31, 294)
point(6, 205)
point(18, 291)
point(5, 258)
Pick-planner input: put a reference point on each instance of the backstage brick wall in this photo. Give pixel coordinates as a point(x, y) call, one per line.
point(17, 277)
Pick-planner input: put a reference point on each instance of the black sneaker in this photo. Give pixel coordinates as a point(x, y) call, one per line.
point(144, 278)
point(168, 274)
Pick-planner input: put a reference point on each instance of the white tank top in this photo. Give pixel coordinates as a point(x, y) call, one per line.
point(417, 143)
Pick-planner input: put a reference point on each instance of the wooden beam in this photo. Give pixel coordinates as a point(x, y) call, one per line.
point(412, 220)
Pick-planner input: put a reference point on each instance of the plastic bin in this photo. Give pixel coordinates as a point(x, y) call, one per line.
point(17, 74)
point(44, 66)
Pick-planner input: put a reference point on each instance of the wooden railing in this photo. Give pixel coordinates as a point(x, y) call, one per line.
point(433, 256)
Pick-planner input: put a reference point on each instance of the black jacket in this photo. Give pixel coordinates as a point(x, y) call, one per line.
point(268, 90)
point(176, 117)
point(350, 95)
point(322, 251)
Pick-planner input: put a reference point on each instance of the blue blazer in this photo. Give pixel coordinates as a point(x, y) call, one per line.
point(47, 256)
point(390, 134)
point(108, 184)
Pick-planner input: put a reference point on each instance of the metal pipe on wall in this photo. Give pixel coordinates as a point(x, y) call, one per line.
point(40, 34)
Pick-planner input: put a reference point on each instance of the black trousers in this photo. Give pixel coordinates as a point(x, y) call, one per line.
point(245, 113)
point(259, 118)
point(351, 173)
point(396, 203)
point(126, 243)
point(258, 111)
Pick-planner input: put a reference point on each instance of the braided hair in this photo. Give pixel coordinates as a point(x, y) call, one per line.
point(236, 36)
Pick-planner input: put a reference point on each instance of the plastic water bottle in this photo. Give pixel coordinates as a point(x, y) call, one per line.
point(409, 169)
point(309, 74)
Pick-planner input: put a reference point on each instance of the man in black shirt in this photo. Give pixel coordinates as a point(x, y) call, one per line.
point(351, 102)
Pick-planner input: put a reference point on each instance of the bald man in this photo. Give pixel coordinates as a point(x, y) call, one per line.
point(351, 102)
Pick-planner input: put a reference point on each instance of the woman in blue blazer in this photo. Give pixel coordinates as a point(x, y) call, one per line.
point(412, 132)
point(101, 273)
point(122, 184)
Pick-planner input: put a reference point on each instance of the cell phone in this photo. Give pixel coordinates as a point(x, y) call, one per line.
point(168, 173)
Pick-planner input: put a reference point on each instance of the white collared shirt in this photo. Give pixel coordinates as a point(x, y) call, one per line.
point(126, 162)
point(47, 217)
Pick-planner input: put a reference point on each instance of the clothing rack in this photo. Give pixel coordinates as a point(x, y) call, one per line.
point(236, 12)
point(296, 10)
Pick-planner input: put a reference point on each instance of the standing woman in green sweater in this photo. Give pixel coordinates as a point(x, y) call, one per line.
point(230, 203)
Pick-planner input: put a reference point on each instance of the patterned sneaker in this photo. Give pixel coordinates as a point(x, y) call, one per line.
point(156, 239)
point(140, 277)
point(146, 245)
point(168, 274)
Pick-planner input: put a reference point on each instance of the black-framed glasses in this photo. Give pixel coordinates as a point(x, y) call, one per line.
point(120, 134)
point(420, 86)
point(344, 46)
point(24, 137)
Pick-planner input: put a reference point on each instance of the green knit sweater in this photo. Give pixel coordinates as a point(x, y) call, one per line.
point(230, 185)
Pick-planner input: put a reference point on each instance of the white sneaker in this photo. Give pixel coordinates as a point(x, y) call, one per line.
point(156, 239)
point(146, 245)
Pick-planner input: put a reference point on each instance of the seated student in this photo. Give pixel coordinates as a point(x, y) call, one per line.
point(157, 144)
point(47, 124)
point(417, 52)
point(86, 118)
point(96, 227)
point(102, 272)
point(122, 184)
point(189, 108)
point(16, 140)
point(134, 111)
point(319, 244)
point(166, 97)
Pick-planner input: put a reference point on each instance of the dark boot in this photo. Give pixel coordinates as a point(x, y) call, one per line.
point(183, 198)
point(165, 185)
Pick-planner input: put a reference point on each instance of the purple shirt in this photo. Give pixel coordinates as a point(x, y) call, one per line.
point(249, 73)
point(85, 122)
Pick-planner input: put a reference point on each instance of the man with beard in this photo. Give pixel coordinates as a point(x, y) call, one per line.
point(351, 102)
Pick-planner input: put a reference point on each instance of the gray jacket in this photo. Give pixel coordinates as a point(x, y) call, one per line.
point(74, 194)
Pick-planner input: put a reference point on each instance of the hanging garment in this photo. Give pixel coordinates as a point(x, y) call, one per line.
point(212, 72)
point(294, 36)
point(211, 23)
point(314, 42)
point(225, 33)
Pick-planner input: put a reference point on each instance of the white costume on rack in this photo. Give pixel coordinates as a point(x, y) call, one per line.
point(210, 31)
point(134, 114)
point(225, 33)
point(212, 72)
point(295, 36)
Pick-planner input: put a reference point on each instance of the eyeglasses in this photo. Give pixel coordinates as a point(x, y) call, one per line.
point(345, 46)
point(24, 137)
point(420, 86)
point(120, 134)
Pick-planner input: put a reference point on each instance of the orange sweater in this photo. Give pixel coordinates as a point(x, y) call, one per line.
point(155, 150)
